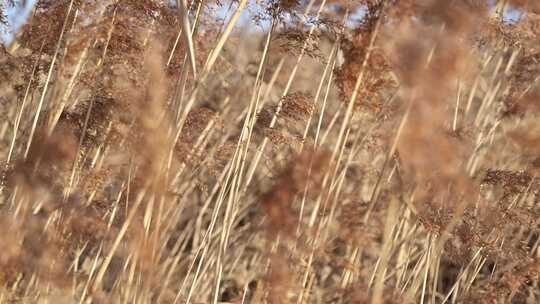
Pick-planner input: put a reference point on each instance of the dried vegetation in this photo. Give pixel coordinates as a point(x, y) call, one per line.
point(156, 152)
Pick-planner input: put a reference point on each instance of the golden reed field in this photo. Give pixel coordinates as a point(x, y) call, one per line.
point(271, 152)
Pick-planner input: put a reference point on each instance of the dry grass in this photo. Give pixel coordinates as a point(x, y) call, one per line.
point(155, 153)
